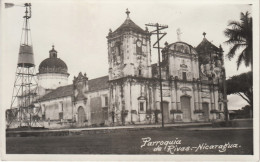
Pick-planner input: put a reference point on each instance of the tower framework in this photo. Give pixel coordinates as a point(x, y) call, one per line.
point(22, 112)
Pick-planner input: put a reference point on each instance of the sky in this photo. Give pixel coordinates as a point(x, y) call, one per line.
point(78, 30)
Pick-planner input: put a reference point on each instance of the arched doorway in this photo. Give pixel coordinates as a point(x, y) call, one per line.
point(81, 115)
point(205, 108)
point(186, 108)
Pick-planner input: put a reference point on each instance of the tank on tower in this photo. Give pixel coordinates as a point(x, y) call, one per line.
point(25, 58)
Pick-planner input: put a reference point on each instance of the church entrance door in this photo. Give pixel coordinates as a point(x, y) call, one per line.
point(186, 109)
point(81, 115)
point(205, 108)
point(166, 112)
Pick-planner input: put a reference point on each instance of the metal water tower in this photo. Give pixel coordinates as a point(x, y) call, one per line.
point(25, 85)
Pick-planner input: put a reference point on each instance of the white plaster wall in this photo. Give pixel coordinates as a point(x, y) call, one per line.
point(127, 100)
point(176, 59)
point(52, 80)
point(129, 65)
point(86, 105)
point(135, 94)
point(52, 108)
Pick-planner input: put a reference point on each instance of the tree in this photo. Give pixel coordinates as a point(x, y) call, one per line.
point(240, 37)
point(241, 85)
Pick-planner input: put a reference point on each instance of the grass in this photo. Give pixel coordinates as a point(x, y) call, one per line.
point(129, 142)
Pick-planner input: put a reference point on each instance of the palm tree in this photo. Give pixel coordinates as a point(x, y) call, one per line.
point(240, 37)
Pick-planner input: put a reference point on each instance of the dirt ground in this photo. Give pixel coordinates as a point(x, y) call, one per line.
point(157, 141)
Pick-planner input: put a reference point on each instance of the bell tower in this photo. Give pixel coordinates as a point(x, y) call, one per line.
point(129, 58)
point(129, 52)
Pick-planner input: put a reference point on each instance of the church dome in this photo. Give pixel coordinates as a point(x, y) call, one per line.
point(182, 47)
point(53, 64)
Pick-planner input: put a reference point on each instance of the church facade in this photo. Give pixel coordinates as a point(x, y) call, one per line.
point(130, 94)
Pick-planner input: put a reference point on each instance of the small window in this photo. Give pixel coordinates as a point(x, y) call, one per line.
point(184, 77)
point(141, 106)
point(106, 101)
point(61, 115)
point(61, 105)
point(220, 107)
point(140, 72)
point(43, 109)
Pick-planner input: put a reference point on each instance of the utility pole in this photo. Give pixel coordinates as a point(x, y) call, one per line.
point(225, 96)
point(158, 33)
point(224, 84)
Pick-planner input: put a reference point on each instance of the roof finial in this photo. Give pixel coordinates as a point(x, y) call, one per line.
point(53, 46)
point(127, 12)
point(204, 34)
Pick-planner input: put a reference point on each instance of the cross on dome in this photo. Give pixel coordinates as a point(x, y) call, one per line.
point(179, 34)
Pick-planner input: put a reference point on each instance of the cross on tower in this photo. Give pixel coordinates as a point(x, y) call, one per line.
point(204, 34)
point(127, 12)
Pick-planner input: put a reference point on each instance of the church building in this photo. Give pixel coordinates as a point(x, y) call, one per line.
point(130, 94)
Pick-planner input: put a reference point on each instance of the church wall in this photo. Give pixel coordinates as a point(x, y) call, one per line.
point(97, 108)
point(52, 108)
point(178, 64)
point(196, 68)
point(126, 61)
point(128, 101)
point(172, 66)
point(195, 100)
point(52, 80)
point(135, 93)
point(166, 98)
point(173, 97)
point(213, 99)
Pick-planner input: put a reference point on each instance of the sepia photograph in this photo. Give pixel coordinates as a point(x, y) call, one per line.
point(129, 78)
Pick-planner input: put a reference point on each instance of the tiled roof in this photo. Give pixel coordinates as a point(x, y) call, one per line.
point(206, 45)
point(58, 93)
point(64, 91)
point(129, 24)
point(98, 83)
